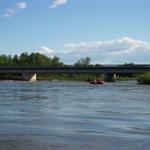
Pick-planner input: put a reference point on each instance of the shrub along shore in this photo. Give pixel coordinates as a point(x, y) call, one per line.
point(144, 79)
point(51, 77)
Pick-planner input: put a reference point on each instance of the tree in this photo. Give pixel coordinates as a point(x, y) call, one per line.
point(5, 60)
point(83, 62)
point(33, 59)
point(15, 60)
point(24, 59)
point(55, 61)
point(129, 64)
point(37, 59)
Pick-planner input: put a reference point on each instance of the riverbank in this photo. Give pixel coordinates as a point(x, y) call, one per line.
point(144, 79)
point(50, 77)
point(66, 77)
point(127, 78)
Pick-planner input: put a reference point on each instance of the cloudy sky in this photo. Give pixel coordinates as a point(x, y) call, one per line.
point(108, 31)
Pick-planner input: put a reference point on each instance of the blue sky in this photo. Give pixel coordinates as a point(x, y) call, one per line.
point(108, 31)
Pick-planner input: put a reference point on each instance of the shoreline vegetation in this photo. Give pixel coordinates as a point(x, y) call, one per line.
point(38, 59)
point(53, 77)
point(144, 79)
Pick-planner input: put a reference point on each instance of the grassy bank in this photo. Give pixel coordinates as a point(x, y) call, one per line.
point(50, 77)
point(73, 77)
point(144, 79)
point(70, 77)
point(125, 78)
point(10, 77)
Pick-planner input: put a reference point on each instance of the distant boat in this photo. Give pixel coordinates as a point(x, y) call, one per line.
point(96, 82)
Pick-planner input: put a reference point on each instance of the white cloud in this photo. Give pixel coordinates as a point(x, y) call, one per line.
point(46, 51)
point(120, 50)
point(124, 44)
point(21, 5)
point(11, 11)
point(58, 3)
point(123, 50)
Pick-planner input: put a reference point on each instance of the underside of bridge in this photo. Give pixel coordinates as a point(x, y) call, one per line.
point(29, 76)
point(109, 77)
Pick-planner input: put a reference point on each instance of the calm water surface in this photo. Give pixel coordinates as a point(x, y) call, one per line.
point(74, 115)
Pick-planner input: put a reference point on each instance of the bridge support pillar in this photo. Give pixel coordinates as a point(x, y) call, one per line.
point(109, 77)
point(29, 76)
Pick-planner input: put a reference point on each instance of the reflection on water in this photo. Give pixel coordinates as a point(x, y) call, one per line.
point(76, 114)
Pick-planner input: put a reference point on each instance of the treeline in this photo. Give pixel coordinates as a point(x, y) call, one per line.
point(37, 59)
point(33, 59)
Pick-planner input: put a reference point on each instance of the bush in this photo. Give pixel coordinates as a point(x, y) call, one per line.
point(144, 79)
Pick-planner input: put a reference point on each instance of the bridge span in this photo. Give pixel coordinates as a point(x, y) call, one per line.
point(109, 71)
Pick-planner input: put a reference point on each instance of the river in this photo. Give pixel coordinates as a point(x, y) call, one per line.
point(74, 116)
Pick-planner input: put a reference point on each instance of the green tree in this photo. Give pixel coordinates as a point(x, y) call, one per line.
point(24, 59)
point(33, 59)
point(5, 60)
point(55, 61)
point(37, 59)
point(15, 60)
point(83, 62)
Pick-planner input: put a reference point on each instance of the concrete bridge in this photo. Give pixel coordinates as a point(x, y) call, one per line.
point(109, 71)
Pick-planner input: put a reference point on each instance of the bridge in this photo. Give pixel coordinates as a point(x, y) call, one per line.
point(109, 71)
